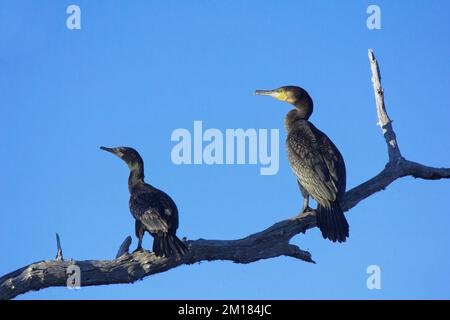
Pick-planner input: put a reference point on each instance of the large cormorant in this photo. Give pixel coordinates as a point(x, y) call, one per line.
point(154, 211)
point(316, 162)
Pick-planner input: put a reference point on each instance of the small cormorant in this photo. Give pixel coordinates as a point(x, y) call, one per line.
point(316, 162)
point(153, 210)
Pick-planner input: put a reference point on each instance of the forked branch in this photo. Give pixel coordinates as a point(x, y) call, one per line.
point(269, 243)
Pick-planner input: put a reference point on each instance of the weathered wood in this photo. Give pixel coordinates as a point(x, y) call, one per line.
point(59, 255)
point(269, 243)
point(124, 247)
point(383, 119)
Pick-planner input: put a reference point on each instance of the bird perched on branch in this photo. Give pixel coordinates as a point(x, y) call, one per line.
point(316, 162)
point(154, 211)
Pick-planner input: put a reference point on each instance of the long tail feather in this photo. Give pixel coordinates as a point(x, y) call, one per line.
point(332, 223)
point(167, 245)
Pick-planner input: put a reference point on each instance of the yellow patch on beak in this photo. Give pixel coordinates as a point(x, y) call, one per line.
point(281, 96)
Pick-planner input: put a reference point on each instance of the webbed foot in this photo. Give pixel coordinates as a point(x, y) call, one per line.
point(305, 211)
point(138, 249)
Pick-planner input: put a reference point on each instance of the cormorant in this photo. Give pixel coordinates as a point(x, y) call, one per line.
point(154, 211)
point(316, 162)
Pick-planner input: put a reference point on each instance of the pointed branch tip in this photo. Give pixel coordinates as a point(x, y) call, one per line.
point(59, 255)
point(124, 247)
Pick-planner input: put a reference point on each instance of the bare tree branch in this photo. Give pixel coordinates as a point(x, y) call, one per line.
point(124, 247)
point(383, 119)
point(269, 243)
point(59, 255)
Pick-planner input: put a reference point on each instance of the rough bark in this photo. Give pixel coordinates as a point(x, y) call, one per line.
point(269, 243)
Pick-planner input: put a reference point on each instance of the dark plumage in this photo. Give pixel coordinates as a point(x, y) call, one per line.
point(316, 162)
point(153, 210)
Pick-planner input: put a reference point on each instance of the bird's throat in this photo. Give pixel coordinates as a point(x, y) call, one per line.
point(303, 108)
point(136, 177)
point(294, 117)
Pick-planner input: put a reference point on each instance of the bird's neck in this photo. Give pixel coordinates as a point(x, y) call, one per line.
point(136, 177)
point(302, 112)
point(304, 107)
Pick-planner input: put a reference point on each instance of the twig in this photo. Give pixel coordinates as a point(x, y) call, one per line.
point(124, 247)
point(59, 255)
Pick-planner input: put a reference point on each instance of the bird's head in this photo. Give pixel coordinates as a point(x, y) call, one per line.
point(127, 154)
point(296, 96)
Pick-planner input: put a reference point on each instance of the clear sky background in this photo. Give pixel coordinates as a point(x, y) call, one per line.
point(137, 70)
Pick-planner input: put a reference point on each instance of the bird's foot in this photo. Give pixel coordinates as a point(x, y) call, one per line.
point(305, 212)
point(138, 249)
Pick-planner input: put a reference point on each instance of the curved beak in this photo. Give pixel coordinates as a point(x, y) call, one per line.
point(111, 150)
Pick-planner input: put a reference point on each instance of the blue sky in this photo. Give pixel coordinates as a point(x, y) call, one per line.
point(138, 70)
